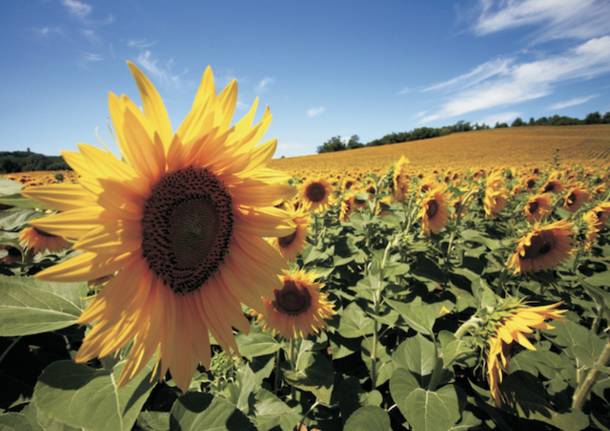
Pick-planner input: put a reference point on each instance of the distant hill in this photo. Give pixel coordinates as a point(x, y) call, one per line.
point(25, 161)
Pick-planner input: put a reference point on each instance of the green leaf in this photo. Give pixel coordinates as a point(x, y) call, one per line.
point(418, 315)
point(199, 411)
point(271, 412)
point(402, 384)
point(153, 421)
point(86, 397)
point(416, 354)
point(579, 342)
point(257, 344)
point(368, 418)
point(469, 421)
point(8, 187)
point(385, 365)
point(354, 322)
point(17, 422)
point(29, 306)
point(432, 410)
point(314, 373)
point(350, 395)
point(19, 201)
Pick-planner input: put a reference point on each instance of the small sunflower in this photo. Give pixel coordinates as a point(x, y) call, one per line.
point(434, 211)
point(316, 194)
point(400, 179)
point(347, 184)
point(514, 322)
point(552, 186)
point(346, 209)
point(537, 207)
point(384, 206)
point(298, 308)
point(290, 245)
point(494, 202)
point(595, 220)
point(37, 241)
point(176, 226)
point(575, 198)
point(543, 248)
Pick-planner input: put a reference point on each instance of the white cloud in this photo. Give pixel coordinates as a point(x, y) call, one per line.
point(47, 31)
point(78, 8)
point(404, 90)
point(90, 57)
point(529, 80)
point(554, 19)
point(496, 67)
point(572, 102)
point(162, 71)
point(140, 43)
point(500, 117)
point(316, 111)
point(90, 35)
point(264, 84)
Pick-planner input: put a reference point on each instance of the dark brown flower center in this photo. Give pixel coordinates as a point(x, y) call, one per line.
point(531, 183)
point(348, 184)
point(550, 187)
point(292, 299)
point(285, 241)
point(186, 228)
point(533, 207)
point(540, 245)
point(432, 209)
point(315, 192)
point(572, 198)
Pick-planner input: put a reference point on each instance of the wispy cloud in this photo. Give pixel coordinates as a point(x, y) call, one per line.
point(496, 67)
point(552, 19)
point(162, 71)
point(500, 117)
point(316, 111)
point(91, 35)
point(141, 43)
point(528, 80)
point(78, 8)
point(91, 57)
point(404, 90)
point(264, 84)
point(572, 102)
point(47, 31)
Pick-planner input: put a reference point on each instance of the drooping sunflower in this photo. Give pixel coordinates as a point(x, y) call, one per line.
point(297, 309)
point(494, 202)
point(37, 240)
point(575, 198)
point(316, 194)
point(434, 211)
point(595, 219)
point(290, 245)
point(177, 227)
point(545, 247)
point(400, 179)
point(537, 207)
point(513, 322)
point(346, 208)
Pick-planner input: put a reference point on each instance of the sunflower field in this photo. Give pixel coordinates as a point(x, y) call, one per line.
point(187, 285)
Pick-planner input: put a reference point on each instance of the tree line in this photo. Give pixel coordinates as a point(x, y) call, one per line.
point(336, 143)
point(25, 161)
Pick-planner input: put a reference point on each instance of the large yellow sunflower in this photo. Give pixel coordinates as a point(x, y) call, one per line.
point(513, 323)
point(36, 240)
point(177, 226)
point(545, 247)
point(316, 194)
point(434, 211)
point(290, 245)
point(298, 308)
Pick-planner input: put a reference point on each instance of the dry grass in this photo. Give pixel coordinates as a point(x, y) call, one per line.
point(514, 147)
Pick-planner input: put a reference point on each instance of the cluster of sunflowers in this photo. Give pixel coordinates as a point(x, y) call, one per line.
point(190, 235)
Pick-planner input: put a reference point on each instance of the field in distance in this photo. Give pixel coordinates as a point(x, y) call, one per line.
point(510, 147)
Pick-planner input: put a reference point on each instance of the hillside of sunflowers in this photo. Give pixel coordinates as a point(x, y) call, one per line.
point(194, 283)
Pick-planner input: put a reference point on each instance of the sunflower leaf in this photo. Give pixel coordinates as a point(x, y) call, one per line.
point(368, 418)
point(29, 306)
point(201, 412)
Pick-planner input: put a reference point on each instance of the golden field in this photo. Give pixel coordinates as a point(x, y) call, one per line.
point(511, 147)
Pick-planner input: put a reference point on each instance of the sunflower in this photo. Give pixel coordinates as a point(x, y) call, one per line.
point(384, 206)
point(316, 194)
point(530, 182)
point(494, 202)
point(347, 184)
point(346, 209)
point(290, 245)
point(552, 186)
point(543, 248)
point(538, 207)
point(575, 198)
point(177, 226)
point(434, 211)
point(513, 322)
point(400, 179)
point(298, 308)
point(37, 240)
point(595, 220)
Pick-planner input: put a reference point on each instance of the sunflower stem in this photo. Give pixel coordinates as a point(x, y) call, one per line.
point(464, 327)
point(9, 348)
point(292, 365)
point(276, 383)
point(582, 391)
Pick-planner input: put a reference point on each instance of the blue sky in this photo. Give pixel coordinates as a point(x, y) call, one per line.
point(325, 68)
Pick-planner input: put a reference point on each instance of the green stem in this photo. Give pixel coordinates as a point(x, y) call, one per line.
point(9, 348)
point(582, 391)
point(464, 327)
point(292, 365)
point(276, 383)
